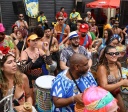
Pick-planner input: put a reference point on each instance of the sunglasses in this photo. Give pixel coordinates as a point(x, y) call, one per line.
point(112, 53)
point(21, 16)
point(60, 19)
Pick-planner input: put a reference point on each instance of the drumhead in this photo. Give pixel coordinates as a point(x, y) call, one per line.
point(44, 81)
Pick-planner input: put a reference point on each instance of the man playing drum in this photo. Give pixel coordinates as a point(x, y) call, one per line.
point(68, 86)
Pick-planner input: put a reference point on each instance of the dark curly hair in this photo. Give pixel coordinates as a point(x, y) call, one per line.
point(23, 32)
point(39, 31)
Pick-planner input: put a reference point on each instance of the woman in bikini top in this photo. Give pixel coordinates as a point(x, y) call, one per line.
point(109, 74)
point(14, 81)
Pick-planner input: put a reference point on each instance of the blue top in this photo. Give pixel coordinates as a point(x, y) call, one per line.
point(64, 87)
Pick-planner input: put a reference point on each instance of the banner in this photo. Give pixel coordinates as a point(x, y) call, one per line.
point(31, 8)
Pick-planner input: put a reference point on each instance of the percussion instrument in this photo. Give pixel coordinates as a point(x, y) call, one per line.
point(43, 97)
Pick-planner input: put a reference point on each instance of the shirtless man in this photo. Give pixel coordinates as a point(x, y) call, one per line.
point(54, 44)
point(61, 30)
point(117, 30)
point(47, 38)
point(21, 22)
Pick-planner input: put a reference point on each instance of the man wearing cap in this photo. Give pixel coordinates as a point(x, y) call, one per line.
point(73, 48)
point(6, 41)
point(85, 39)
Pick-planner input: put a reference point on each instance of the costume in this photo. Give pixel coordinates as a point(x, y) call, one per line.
point(64, 87)
point(62, 29)
point(85, 41)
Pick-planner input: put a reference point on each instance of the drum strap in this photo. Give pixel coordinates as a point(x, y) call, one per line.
point(74, 81)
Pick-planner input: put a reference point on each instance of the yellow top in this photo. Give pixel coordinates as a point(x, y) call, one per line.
point(42, 19)
point(75, 15)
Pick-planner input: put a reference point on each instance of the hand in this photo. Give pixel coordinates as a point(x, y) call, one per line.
point(35, 57)
point(20, 109)
point(124, 82)
point(46, 46)
point(78, 98)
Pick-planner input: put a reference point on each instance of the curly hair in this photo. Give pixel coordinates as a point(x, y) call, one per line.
point(4, 81)
point(23, 32)
point(39, 31)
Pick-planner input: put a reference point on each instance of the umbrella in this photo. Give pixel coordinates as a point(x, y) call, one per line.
point(104, 4)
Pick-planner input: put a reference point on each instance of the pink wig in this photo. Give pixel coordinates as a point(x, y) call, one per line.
point(93, 94)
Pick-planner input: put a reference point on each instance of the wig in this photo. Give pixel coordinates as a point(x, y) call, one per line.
point(93, 96)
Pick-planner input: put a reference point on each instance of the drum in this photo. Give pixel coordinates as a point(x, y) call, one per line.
point(43, 97)
point(124, 90)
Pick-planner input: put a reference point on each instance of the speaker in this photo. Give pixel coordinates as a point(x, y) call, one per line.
point(80, 7)
point(18, 7)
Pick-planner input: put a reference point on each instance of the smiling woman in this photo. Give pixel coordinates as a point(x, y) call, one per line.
point(109, 74)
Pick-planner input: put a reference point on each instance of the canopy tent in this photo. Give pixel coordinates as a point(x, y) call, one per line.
point(104, 4)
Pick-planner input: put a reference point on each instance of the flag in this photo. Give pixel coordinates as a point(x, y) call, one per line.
point(31, 8)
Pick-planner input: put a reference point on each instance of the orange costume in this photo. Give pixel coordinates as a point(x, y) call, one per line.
point(61, 32)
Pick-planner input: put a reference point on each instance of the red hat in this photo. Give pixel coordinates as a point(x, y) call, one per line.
point(2, 29)
point(84, 27)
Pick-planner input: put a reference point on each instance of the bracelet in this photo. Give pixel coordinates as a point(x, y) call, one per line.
point(73, 99)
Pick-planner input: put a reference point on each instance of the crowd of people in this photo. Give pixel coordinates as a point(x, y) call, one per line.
point(65, 51)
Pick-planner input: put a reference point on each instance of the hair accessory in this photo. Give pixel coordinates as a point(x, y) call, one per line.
point(115, 36)
point(100, 103)
point(3, 51)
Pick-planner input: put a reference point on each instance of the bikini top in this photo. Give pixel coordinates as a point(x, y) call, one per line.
point(16, 100)
point(112, 79)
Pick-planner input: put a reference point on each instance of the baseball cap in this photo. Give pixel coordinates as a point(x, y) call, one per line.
point(32, 37)
point(84, 27)
point(2, 29)
point(73, 34)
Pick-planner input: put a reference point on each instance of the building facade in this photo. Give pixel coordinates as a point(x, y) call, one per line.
point(9, 10)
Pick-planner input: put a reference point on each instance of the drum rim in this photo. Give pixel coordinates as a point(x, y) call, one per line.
point(42, 86)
